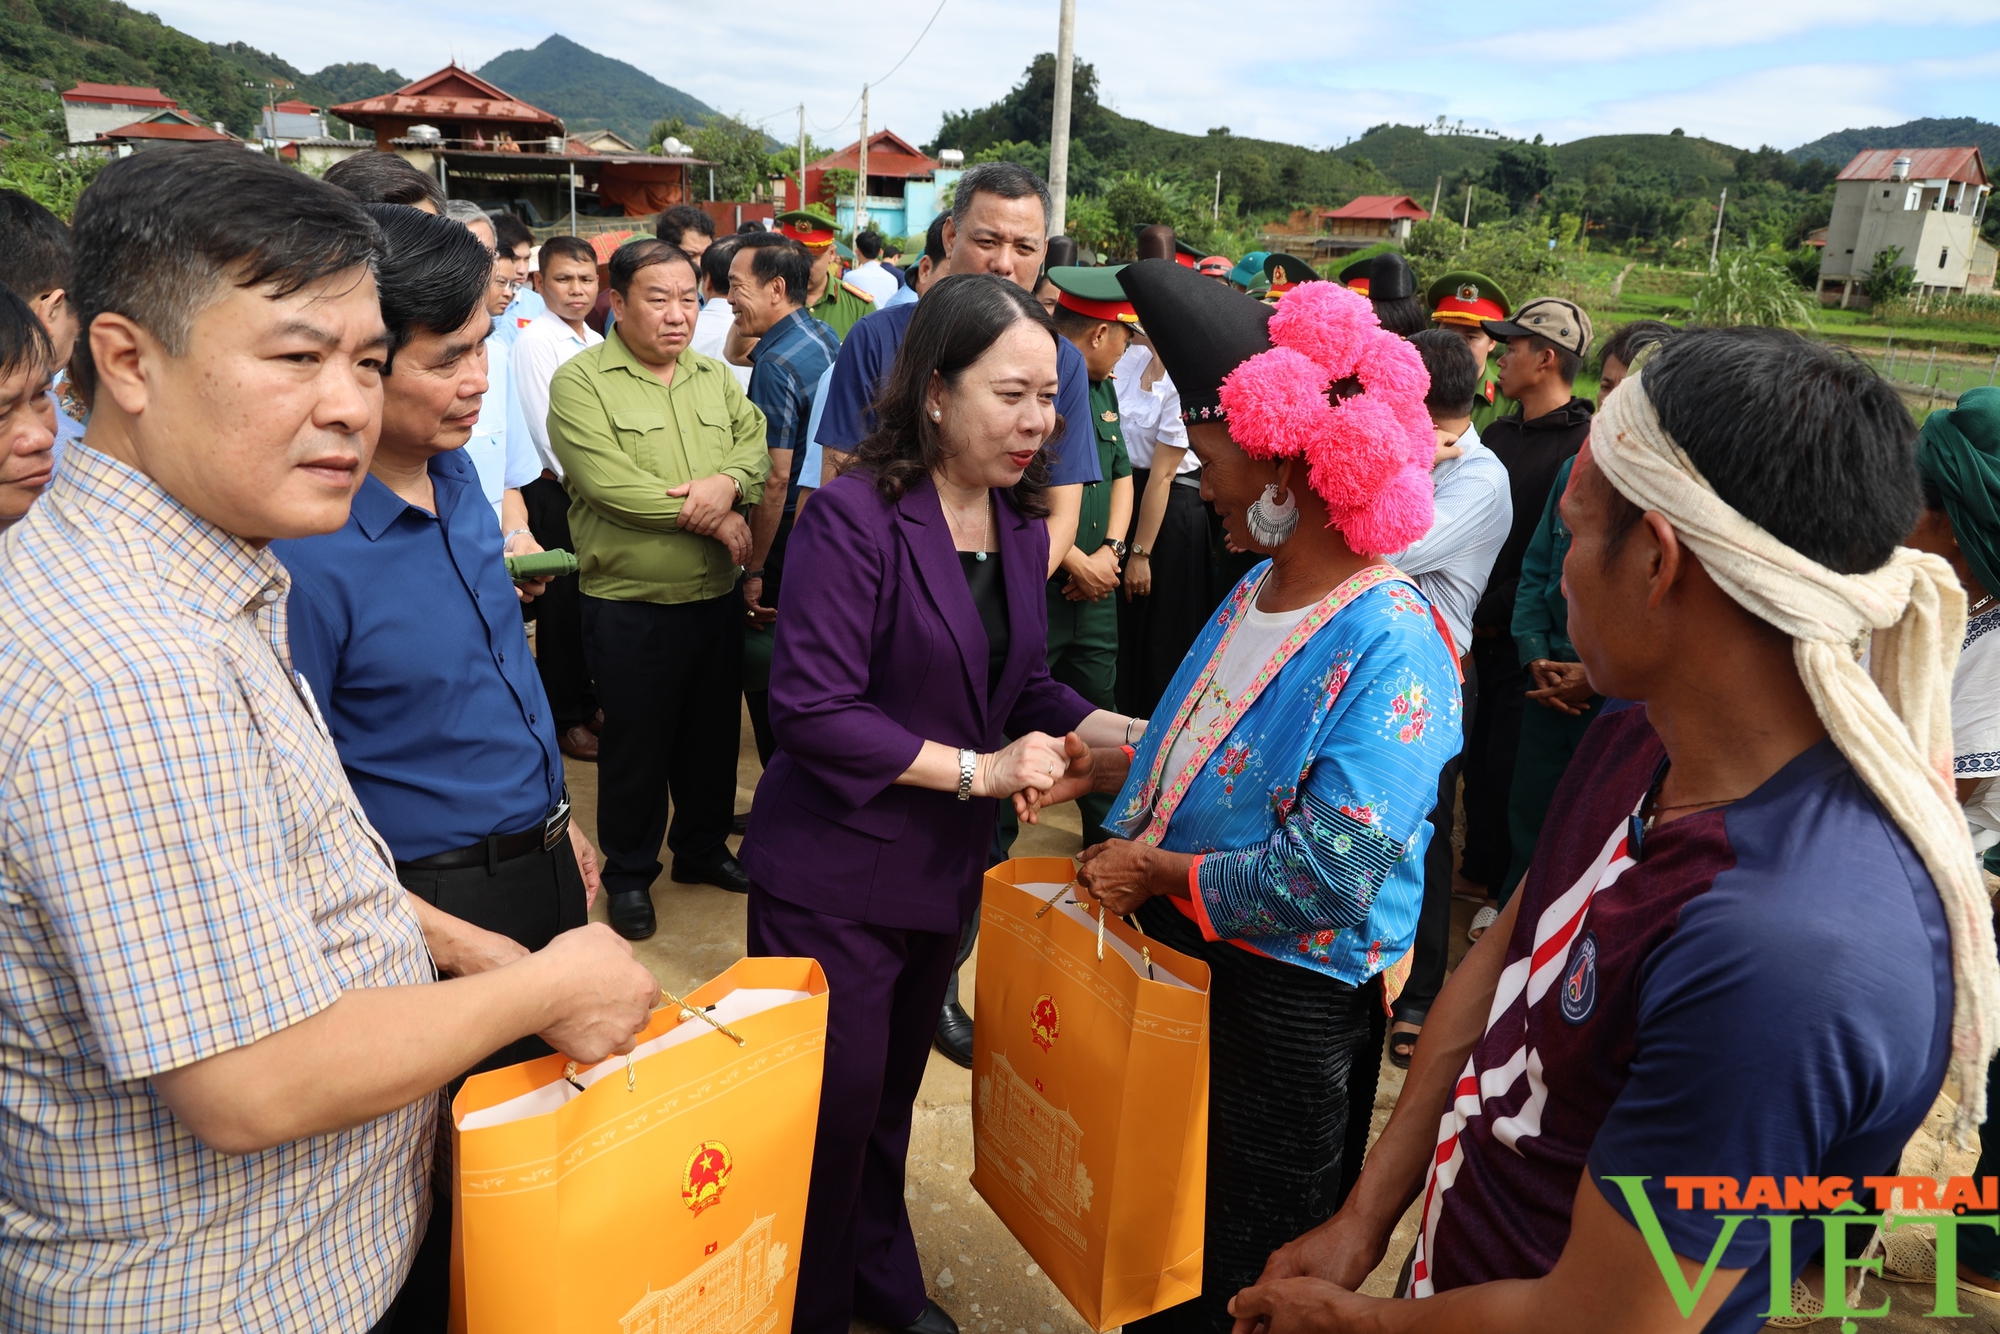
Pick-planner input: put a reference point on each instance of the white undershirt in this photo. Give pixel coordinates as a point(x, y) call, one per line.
point(1257, 637)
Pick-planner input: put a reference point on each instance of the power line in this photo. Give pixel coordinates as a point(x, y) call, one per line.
point(848, 114)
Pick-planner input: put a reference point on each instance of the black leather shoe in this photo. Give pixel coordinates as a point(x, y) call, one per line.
point(933, 1320)
point(632, 914)
point(954, 1038)
point(725, 872)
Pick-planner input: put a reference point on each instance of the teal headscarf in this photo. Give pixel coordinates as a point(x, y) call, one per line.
point(1959, 450)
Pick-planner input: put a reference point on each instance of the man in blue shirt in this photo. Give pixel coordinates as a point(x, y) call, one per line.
point(998, 224)
point(407, 632)
point(769, 275)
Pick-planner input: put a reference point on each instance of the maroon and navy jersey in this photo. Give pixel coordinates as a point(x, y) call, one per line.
point(1766, 991)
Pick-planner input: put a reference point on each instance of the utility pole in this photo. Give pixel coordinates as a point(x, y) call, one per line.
point(1216, 216)
point(1436, 195)
point(861, 174)
point(802, 157)
point(1715, 246)
point(1059, 122)
point(1465, 223)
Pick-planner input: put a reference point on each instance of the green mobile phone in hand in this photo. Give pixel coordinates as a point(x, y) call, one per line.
point(540, 565)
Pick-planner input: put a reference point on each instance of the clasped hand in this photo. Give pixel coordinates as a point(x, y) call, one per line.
point(708, 508)
point(1562, 686)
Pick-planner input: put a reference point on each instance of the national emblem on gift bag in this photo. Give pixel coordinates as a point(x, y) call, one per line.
point(1092, 1150)
point(705, 1176)
point(1047, 1022)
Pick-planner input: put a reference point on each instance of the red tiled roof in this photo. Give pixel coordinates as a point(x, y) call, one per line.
point(1926, 164)
point(296, 108)
point(889, 154)
point(1380, 206)
point(158, 129)
point(119, 94)
point(450, 93)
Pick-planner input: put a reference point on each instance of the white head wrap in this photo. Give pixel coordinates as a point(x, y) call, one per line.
point(1894, 727)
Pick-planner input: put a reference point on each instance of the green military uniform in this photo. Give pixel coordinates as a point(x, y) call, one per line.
point(1083, 636)
point(1464, 298)
point(843, 304)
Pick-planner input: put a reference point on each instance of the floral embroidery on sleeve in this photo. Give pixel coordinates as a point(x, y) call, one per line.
point(1409, 711)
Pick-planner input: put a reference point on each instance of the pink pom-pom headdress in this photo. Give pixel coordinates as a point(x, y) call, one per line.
point(1368, 453)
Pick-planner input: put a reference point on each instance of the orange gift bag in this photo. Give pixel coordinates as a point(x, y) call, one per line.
point(1090, 1095)
point(663, 1194)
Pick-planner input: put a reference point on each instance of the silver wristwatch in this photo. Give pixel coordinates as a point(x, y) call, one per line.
point(968, 765)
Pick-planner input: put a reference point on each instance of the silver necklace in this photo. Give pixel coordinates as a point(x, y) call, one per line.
point(985, 520)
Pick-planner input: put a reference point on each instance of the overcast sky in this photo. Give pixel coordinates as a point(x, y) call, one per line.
point(1743, 71)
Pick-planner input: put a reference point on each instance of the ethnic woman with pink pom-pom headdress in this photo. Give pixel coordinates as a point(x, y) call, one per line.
point(1274, 816)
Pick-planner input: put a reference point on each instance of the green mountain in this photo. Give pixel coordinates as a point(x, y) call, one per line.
point(590, 91)
point(1840, 147)
point(103, 41)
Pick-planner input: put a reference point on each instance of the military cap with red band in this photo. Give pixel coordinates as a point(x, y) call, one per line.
point(1094, 293)
point(805, 228)
point(1465, 297)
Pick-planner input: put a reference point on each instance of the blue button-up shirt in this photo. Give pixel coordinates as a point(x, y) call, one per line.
point(870, 350)
point(406, 628)
point(786, 366)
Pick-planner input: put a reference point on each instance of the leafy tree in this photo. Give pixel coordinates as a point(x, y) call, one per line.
point(1749, 288)
point(1888, 277)
point(1521, 172)
point(1803, 264)
point(1027, 112)
point(743, 162)
point(35, 157)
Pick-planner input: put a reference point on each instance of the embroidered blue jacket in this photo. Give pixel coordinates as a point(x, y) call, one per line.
point(1311, 818)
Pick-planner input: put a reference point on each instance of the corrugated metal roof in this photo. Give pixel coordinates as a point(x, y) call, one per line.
point(1380, 206)
point(154, 129)
point(1926, 164)
point(120, 94)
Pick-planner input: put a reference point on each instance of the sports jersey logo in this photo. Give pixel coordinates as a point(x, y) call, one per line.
point(1579, 987)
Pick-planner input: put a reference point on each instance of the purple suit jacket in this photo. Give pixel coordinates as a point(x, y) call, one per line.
point(879, 648)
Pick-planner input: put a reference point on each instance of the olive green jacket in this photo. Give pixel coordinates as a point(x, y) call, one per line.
point(623, 438)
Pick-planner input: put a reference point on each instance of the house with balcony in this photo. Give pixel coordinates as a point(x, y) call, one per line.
point(1926, 203)
point(484, 144)
point(903, 190)
point(1367, 221)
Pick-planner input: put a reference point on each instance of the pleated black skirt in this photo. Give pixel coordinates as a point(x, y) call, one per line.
point(1291, 1051)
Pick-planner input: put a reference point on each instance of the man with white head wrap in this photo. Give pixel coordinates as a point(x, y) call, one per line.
point(1752, 940)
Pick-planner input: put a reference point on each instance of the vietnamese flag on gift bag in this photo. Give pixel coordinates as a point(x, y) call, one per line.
point(1090, 1095)
point(663, 1195)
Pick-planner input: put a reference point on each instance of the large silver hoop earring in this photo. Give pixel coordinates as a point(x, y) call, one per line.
point(1272, 521)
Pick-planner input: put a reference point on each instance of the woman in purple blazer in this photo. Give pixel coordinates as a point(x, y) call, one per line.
point(914, 642)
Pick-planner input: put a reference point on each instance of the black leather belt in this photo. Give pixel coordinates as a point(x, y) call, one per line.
point(497, 848)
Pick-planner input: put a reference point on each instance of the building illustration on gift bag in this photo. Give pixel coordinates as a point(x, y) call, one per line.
point(1035, 1149)
point(734, 1292)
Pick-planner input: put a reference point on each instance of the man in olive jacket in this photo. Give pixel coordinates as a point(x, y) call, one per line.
point(663, 456)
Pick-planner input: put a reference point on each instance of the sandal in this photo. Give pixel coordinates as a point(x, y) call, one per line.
point(1403, 1045)
point(1809, 1307)
point(1909, 1255)
point(1482, 919)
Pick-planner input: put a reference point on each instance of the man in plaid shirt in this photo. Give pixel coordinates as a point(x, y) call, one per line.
point(220, 1030)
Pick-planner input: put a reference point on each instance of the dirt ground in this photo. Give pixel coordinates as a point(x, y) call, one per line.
point(975, 1268)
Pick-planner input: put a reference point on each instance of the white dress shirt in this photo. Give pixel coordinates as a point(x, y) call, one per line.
point(875, 280)
point(503, 457)
point(1150, 417)
point(539, 353)
point(1452, 562)
point(711, 333)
